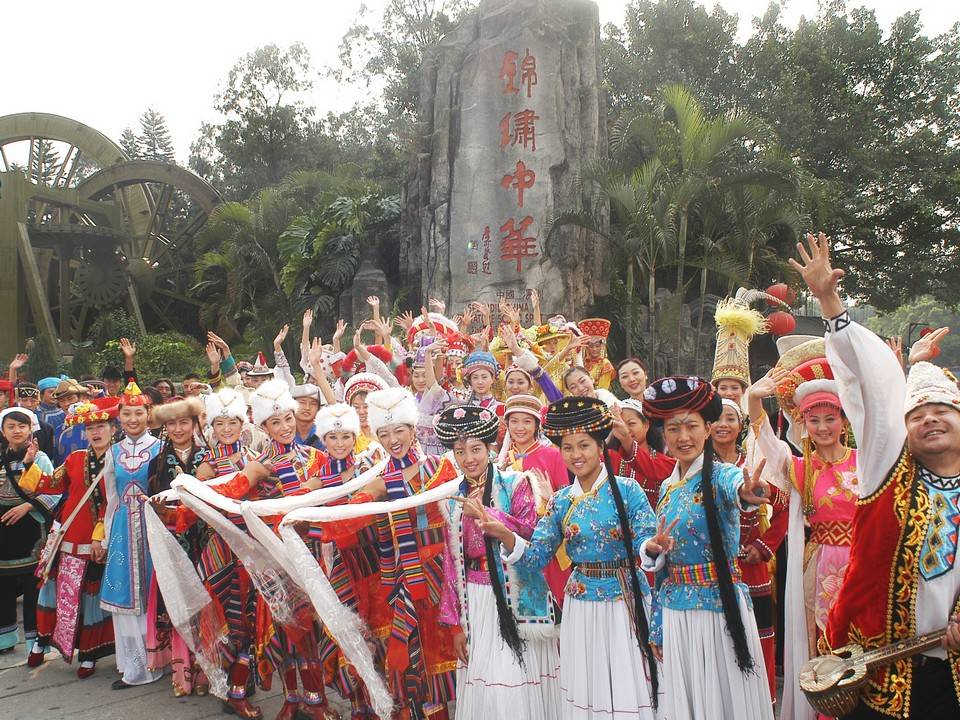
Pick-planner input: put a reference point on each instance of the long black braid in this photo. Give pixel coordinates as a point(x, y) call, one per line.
point(505, 618)
point(728, 597)
point(641, 626)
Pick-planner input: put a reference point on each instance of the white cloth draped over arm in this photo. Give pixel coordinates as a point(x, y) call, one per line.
point(763, 443)
point(872, 393)
point(113, 500)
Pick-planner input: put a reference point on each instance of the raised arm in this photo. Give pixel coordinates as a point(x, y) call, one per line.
point(871, 383)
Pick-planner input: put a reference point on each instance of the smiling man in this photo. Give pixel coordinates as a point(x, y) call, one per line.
point(903, 579)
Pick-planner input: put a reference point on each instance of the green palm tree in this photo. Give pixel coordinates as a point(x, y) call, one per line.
point(639, 231)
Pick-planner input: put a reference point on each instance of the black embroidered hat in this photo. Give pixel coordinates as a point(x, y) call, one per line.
point(466, 421)
point(677, 393)
point(576, 414)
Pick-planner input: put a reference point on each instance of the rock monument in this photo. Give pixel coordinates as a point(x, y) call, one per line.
point(511, 113)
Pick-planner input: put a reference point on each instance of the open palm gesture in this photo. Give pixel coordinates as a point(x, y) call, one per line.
point(815, 268)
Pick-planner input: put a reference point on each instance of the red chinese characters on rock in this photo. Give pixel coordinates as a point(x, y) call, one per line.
point(515, 244)
point(519, 129)
point(522, 179)
point(513, 66)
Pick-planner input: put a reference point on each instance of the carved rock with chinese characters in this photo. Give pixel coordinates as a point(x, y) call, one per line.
point(511, 114)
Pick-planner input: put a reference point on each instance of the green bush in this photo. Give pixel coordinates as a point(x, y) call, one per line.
point(168, 354)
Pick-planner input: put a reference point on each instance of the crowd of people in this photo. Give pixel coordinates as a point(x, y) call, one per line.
point(463, 518)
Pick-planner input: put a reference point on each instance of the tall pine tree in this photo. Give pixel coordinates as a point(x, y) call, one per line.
point(154, 142)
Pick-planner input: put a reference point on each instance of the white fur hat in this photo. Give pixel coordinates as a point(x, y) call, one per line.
point(339, 417)
point(928, 384)
point(226, 403)
point(392, 406)
point(271, 398)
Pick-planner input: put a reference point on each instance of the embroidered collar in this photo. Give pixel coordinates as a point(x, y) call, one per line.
point(934, 480)
point(576, 490)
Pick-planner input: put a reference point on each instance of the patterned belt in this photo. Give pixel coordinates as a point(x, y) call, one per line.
point(607, 569)
point(832, 532)
point(72, 549)
point(702, 575)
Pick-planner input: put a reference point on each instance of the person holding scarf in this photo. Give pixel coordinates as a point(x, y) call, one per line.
point(421, 659)
point(703, 626)
point(604, 525)
point(507, 648)
point(69, 616)
point(24, 522)
point(180, 453)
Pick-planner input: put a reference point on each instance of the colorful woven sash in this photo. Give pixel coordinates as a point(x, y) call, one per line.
point(832, 532)
point(700, 575)
point(405, 557)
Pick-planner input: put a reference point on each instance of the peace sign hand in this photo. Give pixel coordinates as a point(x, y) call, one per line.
point(755, 490)
point(663, 541)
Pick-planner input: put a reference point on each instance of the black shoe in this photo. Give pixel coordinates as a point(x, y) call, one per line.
point(120, 685)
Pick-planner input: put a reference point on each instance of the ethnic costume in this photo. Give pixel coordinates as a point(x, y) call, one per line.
point(823, 496)
point(128, 568)
point(606, 665)
point(704, 618)
point(515, 676)
point(601, 370)
point(165, 646)
point(642, 463)
point(21, 541)
point(420, 658)
point(69, 616)
point(903, 577)
point(482, 360)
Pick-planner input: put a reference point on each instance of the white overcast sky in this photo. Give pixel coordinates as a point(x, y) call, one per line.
point(103, 63)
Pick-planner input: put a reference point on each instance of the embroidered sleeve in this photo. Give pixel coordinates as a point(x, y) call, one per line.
point(545, 540)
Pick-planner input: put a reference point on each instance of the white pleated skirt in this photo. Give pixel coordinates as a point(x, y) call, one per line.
point(701, 680)
point(603, 674)
point(130, 638)
point(494, 684)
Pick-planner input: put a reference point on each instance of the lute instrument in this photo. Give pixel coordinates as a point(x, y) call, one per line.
point(833, 683)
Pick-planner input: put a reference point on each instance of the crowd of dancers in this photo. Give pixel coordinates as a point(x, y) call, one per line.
point(465, 520)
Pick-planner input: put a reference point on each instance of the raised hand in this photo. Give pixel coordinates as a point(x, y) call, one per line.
point(308, 318)
point(340, 330)
point(315, 357)
point(755, 490)
point(819, 275)
point(213, 354)
point(438, 305)
point(768, 384)
point(219, 342)
point(662, 541)
point(509, 339)
point(895, 343)
point(535, 298)
point(374, 302)
point(32, 449)
point(483, 310)
point(509, 314)
point(128, 347)
point(928, 347)
point(281, 336)
point(620, 430)
point(19, 360)
point(404, 320)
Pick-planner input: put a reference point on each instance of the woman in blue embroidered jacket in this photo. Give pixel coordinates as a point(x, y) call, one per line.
point(703, 628)
point(605, 524)
point(507, 647)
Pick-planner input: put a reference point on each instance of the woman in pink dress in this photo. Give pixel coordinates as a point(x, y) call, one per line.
point(823, 491)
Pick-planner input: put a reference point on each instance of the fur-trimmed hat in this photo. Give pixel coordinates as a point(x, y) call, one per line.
point(362, 382)
point(177, 408)
point(338, 417)
point(392, 406)
point(271, 398)
point(225, 403)
point(307, 390)
point(927, 384)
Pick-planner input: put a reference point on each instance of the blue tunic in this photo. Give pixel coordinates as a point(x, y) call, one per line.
point(124, 588)
point(589, 524)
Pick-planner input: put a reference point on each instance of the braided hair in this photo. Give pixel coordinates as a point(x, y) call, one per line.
point(505, 618)
point(641, 625)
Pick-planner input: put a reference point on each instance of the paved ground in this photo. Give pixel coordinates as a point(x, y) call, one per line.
point(53, 692)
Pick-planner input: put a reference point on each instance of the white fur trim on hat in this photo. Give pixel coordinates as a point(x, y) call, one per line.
point(812, 386)
point(338, 417)
point(271, 398)
point(225, 403)
point(927, 384)
point(307, 390)
point(34, 422)
point(392, 406)
point(360, 382)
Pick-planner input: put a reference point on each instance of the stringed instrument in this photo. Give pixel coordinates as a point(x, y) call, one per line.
point(833, 683)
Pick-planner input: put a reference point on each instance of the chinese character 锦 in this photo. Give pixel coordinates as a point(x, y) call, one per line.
point(521, 180)
point(528, 72)
point(524, 129)
point(515, 244)
point(509, 68)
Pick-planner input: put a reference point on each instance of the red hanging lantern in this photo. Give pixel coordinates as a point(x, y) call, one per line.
point(782, 292)
point(781, 323)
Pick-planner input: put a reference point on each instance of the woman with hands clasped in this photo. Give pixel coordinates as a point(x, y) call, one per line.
point(703, 626)
point(601, 526)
